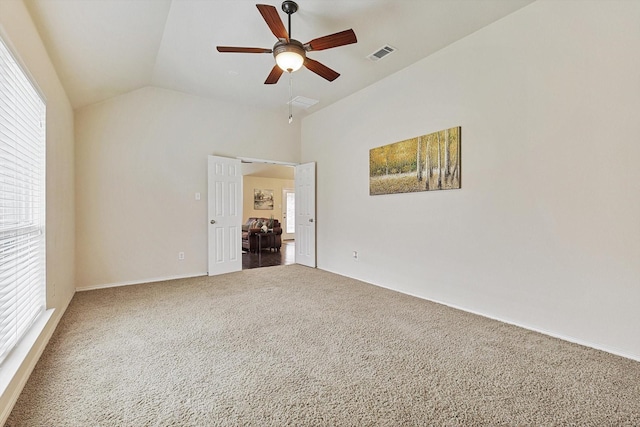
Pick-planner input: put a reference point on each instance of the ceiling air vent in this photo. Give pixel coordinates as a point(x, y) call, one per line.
point(302, 102)
point(381, 53)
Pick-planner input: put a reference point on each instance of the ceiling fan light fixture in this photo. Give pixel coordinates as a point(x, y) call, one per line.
point(289, 56)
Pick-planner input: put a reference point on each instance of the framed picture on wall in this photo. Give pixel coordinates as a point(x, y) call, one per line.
point(425, 163)
point(262, 199)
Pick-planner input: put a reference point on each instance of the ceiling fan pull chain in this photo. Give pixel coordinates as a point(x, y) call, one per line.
point(290, 97)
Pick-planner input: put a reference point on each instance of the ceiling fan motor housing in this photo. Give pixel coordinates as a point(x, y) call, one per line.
point(293, 47)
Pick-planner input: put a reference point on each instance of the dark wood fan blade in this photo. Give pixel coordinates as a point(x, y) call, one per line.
point(333, 40)
point(232, 49)
point(274, 75)
point(270, 15)
point(321, 70)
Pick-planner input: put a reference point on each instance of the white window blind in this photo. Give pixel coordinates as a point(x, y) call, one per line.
point(22, 257)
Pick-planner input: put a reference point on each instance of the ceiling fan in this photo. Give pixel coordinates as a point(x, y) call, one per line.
point(289, 53)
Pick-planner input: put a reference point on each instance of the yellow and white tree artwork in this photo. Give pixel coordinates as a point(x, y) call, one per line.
point(427, 162)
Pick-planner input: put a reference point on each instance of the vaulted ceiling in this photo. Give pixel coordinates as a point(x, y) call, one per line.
point(105, 48)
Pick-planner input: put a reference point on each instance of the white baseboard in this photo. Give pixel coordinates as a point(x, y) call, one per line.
point(545, 332)
point(138, 282)
point(567, 338)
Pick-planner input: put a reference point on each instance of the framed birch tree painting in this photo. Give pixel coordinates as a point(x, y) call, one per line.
point(425, 163)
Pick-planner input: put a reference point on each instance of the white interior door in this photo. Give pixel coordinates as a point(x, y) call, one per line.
point(288, 213)
point(225, 215)
point(306, 214)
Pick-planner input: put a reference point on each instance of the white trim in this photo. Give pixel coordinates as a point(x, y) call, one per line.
point(272, 162)
point(17, 358)
point(23, 66)
point(28, 351)
point(137, 282)
point(570, 339)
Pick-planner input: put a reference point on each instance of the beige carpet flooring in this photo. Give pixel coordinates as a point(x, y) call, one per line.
point(302, 347)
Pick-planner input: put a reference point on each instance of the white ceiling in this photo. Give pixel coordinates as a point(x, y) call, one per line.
point(104, 48)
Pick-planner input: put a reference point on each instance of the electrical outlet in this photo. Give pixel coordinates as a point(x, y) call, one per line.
point(53, 288)
point(355, 255)
point(180, 256)
point(197, 196)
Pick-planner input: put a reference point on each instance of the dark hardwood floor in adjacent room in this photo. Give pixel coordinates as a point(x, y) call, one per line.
point(267, 258)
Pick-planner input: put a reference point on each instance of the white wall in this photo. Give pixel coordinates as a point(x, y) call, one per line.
point(141, 158)
point(544, 232)
point(19, 33)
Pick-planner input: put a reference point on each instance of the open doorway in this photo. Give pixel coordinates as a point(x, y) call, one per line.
point(268, 194)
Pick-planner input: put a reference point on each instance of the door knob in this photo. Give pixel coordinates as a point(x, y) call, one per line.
point(213, 221)
point(310, 219)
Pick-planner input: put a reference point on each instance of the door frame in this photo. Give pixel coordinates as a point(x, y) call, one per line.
point(274, 162)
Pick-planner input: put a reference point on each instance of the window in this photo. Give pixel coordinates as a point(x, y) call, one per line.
point(291, 212)
point(22, 238)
